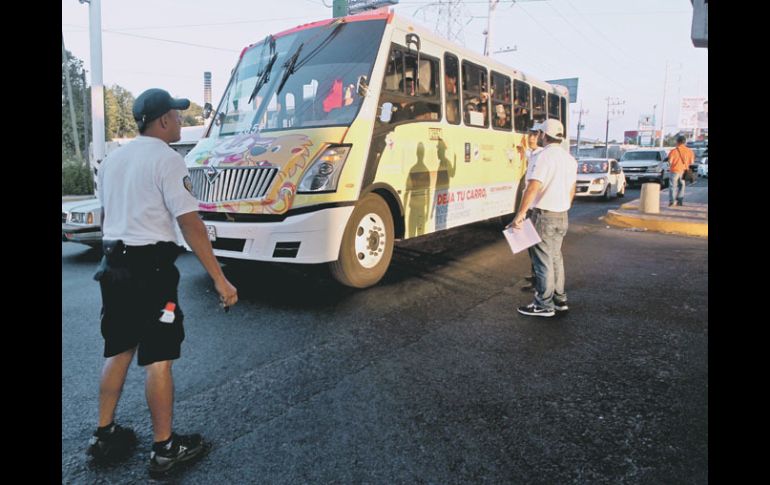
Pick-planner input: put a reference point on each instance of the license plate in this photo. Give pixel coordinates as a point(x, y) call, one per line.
point(632, 177)
point(212, 232)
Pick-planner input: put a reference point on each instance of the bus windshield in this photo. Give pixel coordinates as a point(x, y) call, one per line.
point(307, 78)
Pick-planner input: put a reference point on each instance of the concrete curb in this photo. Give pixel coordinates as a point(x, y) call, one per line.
point(688, 220)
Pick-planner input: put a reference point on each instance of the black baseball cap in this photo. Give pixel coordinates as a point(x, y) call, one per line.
point(154, 103)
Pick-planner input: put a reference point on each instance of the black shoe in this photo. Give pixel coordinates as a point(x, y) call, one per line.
point(179, 449)
point(112, 444)
point(679, 203)
point(670, 204)
point(560, 306)
point(536, 311)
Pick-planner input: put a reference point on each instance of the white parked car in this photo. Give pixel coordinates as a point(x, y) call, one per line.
point(703, 167)
point(81, 221)
point(600, 177)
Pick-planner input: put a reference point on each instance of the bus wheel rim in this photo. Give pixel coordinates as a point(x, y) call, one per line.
point(370, 240)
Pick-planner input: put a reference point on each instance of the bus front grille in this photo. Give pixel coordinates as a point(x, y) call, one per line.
point(232, 183)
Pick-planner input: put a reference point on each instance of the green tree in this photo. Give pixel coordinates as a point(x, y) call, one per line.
point(76, 72)
point(193, 116)
point(118, 116)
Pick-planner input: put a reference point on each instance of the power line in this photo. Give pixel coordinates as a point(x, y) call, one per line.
point(171, 41)
point(544, 29)
point(213, 24)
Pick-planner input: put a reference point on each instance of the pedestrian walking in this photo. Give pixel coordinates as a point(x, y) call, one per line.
point(550, 190)
point(145, 191)
point(680, 159)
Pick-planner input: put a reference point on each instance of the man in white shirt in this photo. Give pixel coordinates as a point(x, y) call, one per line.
point(550, 190)
point(145, 191)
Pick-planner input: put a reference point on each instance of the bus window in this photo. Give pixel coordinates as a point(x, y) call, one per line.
point(475, 95)
point(538, 105)
point(522, 106)
point(501, 100)
point(394, 71)
point(414, 93)
point(451, 69)
point(553, 106)
point(564, 114)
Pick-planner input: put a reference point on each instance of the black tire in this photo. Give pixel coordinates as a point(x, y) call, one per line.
point(622, 193)
point(349, 268)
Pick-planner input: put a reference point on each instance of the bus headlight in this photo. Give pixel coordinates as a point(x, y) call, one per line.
point(324, 172)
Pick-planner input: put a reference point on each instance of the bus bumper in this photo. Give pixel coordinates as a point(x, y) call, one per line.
point(313, 237)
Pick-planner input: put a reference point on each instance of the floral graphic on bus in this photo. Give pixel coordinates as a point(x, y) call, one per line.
point(289, 153)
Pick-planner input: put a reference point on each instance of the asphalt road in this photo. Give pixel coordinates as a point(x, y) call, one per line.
point(429, 377)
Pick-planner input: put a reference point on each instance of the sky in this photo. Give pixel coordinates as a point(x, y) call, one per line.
point(616, 48)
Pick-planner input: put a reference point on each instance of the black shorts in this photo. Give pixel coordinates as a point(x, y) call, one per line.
point(132, 306)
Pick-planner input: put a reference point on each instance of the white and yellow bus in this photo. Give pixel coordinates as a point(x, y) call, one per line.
point(337, 138)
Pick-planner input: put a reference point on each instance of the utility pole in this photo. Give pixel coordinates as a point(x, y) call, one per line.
point(488, 32)
point(663, 110)
point(579, 127)
point(340, 8)
point(70, 101)
point(614, 112)
point(85, 116)
point(97, 83)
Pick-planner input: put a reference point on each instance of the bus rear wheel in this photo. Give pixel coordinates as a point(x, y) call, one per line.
point(367, 244)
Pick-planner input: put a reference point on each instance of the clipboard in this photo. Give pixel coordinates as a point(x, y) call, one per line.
point(523, 238)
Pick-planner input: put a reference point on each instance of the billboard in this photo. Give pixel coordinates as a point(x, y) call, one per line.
point(571, 84)
point(693, 114)
point(646, 123)
point(358, 6)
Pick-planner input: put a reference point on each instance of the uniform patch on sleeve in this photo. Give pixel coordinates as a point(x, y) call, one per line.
point(188, 184)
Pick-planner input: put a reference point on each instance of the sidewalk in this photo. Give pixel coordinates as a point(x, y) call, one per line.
point(690, 220)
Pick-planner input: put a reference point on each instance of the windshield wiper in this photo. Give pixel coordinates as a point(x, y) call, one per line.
point(289, 65)
point(264, 76)
point(293, 66)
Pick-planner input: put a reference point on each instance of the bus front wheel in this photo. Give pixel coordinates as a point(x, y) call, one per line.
point(367, 244)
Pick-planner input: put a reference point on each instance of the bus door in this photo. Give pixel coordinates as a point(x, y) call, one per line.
point(408, 149)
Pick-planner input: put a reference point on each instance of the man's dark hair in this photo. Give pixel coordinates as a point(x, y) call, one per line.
point(681, 139)
point(551, 139)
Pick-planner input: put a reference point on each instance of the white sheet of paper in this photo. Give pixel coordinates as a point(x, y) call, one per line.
point(476, 118)
point(521, 239)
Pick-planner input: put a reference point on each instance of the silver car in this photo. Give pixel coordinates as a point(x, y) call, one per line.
point(81, 221)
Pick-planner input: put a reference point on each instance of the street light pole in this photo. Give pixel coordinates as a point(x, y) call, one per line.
point(663, 110)
point(488, 37)
point(97, 83)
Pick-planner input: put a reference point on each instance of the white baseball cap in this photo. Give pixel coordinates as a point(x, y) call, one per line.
point(553, 128)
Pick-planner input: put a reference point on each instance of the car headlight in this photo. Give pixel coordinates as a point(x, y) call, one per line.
point(598, 181)
point(324, 172)
point(82, 217)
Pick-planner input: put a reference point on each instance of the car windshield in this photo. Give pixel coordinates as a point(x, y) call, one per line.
point(308, 78)
point(632, 156)
point(592, 166)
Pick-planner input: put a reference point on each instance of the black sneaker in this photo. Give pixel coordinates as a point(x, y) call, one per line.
point(560, 306)
point(679, 203)
point(536, 311)
point(670, 204)
point(179, 449)
point(112, 444)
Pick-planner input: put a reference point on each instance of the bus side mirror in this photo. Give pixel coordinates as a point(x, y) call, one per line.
point(207, 111)
point(386, 112)
point(362, 86)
